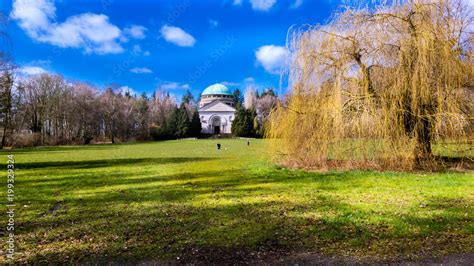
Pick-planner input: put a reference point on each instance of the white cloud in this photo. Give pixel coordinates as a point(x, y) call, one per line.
point(33, 15)
point(141, 70)
point(271, 57)
point(137, 50)
point(91, 32)
point(177, 36)
point(237, 2)
point(136, 31)
point(230, 83)
point(296, 4)
point(126, 89)
point(259, 5)
point(32, 70)
point(262, 5)
point(213, 23)
point(249, 80)
point(174, 86)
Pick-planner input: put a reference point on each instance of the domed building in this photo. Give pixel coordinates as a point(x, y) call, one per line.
point(216, 110)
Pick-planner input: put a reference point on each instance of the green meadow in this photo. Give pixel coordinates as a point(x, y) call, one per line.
point(185, 201)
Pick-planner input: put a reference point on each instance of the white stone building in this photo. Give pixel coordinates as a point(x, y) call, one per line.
point(216, 110)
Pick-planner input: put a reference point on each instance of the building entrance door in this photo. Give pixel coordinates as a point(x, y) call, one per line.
point(216, 125)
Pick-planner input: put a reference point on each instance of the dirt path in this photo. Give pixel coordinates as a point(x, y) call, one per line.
point(311, 259)
point(314, 259)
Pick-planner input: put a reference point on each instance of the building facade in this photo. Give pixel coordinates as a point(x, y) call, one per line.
point(216, 110)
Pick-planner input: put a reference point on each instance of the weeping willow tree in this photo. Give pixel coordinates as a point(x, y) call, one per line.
point(377, 87)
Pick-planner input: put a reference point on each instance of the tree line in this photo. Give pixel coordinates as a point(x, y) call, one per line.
point(46, 109)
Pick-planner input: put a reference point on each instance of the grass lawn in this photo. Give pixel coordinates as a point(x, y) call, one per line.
point(164, 200)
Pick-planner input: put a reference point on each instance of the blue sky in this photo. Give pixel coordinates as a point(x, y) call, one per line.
point(145, 45)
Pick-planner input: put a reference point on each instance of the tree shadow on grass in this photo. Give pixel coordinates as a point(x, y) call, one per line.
point(203, 220)
point(89, 164)
point(96, 181)
point(169, 189)
point(221, 235)
point(54, 149)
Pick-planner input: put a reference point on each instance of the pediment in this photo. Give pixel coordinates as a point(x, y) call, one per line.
point(217, 106)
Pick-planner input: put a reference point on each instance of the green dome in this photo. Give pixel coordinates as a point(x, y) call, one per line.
point(217, 89)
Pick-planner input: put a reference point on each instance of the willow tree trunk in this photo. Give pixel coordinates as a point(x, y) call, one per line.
point(423, 142)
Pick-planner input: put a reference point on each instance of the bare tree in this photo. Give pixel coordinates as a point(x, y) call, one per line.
point(6, 82)
point(85, 113)
point(6, 103)
point(110, 104)
point(250, 97)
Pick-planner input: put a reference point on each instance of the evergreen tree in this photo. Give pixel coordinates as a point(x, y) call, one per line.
point(269, 91)
point(243, 124)
point(238, 98)
point(169, 130)
point(182, 122)
point(195, 127)
point(187, 97)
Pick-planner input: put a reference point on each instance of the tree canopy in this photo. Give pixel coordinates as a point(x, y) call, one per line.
point(243, 124)
point(376, 87)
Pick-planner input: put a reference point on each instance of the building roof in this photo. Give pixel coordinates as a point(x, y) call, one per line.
point(217, 106)
point(217, 89)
